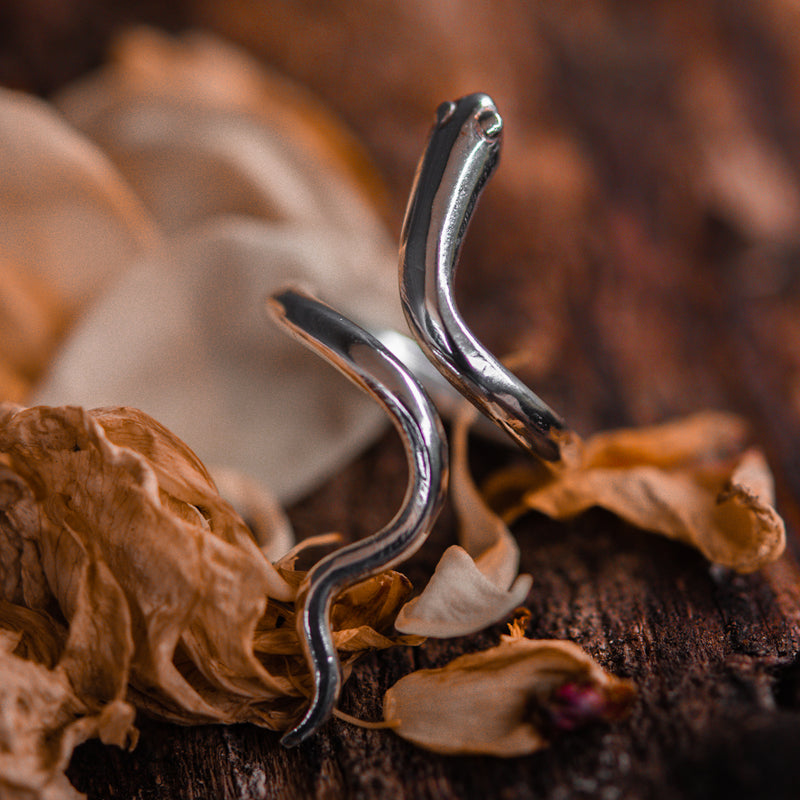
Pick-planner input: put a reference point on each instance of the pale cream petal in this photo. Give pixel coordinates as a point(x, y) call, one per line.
point(66, 214)
point(187, 340)
point(459, 599)
point(474, 584)
point(482, 533)
point(201, 129)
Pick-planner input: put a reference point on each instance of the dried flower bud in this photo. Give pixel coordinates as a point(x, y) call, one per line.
point(505, 701)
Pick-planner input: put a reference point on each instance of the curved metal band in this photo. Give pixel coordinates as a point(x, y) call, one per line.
point(461, 154)
point(369, 365)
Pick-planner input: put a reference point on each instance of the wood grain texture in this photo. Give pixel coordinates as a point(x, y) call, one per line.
point(640, 239)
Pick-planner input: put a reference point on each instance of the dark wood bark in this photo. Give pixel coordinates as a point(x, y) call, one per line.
point(646, 289)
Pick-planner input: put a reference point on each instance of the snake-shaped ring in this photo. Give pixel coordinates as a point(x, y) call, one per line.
point(461, 154)
point(369, 365)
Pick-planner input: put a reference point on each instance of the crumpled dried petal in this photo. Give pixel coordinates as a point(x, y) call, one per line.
point(204, 582)
point(38, 732)
point(47, 707)
point(690, 479)
point(507, 701)
point(164, 599)
point(475, 584)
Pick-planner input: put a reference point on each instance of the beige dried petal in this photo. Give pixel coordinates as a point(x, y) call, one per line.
point(203, 583)
point(201, 129)
point(261, 511)
point(98, 651)
point(505, 701)
point(459, 599)
point(482, 534)
point(47, 709)
point(185, 338)
point(475, 584)
point(37, 710)
point(680, 480)
point(66, 214)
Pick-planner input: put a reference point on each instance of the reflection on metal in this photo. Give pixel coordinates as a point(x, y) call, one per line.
point(369, 365)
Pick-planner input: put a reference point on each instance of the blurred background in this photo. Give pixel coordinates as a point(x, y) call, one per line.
point(648, 191)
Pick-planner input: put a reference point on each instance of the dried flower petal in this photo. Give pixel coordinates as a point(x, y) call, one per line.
point(201, 129)
point(266, 189)
point(475, 584)
point(48, 708)
point(688, 480)
point(38, 731)
point(506, 701)
point(67, 215)
point(164, 599)
point(203, 583)
point(183, 336)
point(459, 599)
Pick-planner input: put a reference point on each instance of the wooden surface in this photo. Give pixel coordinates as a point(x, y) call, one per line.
point(641, 239)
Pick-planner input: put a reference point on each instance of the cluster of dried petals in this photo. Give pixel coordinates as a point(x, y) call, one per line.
point(507, 701)
point(692, 479)
point(126, 578)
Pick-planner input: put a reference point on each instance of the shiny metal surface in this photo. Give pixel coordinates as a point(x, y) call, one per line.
point(368, 364)
point(461, 154)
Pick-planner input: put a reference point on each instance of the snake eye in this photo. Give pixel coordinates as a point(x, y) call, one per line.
point(490, 123)
point(444, 112)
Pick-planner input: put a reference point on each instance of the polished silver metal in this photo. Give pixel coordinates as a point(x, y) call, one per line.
point(445, 397)
point(461, 154)
point(368, 364)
